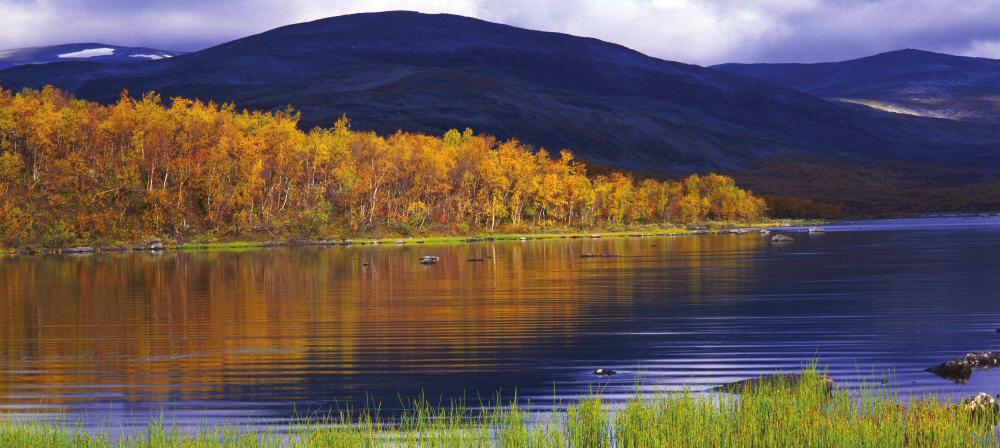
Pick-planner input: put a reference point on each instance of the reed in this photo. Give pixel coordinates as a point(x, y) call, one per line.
point(801, 414)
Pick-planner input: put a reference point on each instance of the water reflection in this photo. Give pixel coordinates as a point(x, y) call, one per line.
point(267, 333)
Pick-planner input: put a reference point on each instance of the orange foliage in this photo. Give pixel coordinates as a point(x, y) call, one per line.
point(73, 170)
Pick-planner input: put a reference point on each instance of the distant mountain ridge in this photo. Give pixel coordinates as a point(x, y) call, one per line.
point(913, 82)
point(609, 104)
point(91, 52)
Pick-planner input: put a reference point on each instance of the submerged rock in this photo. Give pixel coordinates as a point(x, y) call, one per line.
point(605, 372)
point(960, 370)
point(781, 239)
point(78, 250)
point(599, 256)
point(783, 379)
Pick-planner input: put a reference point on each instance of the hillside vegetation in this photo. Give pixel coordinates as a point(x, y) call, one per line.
point(612, 105)
point(77, 171)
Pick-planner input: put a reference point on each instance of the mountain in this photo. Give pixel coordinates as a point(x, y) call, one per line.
point(91, 52)
point(910, 82)
point(609, 104)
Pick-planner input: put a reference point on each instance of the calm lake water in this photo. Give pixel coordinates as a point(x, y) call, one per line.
point(259, 336)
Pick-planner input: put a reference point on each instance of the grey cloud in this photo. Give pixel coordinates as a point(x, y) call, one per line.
point(695, 31)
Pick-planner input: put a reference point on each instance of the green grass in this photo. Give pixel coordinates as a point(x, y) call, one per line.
point(771, 415)
point(208, 244)
point(554, 233)
point(456, 239)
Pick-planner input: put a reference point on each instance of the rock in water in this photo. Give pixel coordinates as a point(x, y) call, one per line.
point(604, 372)
point(986, 360)
point(78, 250)
point(588, 255)
point(957, 370)
point(960, 370)
point(429, 259)
point(781, 239)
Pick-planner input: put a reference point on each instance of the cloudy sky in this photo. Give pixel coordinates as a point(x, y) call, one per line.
point(696, 31)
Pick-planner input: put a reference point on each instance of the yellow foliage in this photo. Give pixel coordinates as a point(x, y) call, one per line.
point(138, 167)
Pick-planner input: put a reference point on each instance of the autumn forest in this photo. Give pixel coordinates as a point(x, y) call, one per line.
point(77, 171)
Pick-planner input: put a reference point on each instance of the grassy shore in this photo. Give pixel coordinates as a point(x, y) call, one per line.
point(802, 414)
point(429, 238)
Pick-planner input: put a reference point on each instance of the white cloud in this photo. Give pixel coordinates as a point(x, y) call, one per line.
point(982, 48)
point(696, 31)
point(89, 53)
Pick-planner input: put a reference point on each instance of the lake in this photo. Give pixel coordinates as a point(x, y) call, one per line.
point(262, 336)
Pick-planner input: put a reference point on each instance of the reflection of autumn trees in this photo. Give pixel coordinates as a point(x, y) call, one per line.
point(195, 323)
point(191, 325)
point(77, 170)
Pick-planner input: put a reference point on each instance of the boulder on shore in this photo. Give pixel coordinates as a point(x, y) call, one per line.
point(983, 403)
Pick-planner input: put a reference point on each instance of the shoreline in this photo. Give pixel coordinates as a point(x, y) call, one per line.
point(799, 409)
point(631, 232)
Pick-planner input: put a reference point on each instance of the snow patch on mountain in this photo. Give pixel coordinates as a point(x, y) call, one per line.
point(150, 56)
point(89, 53)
